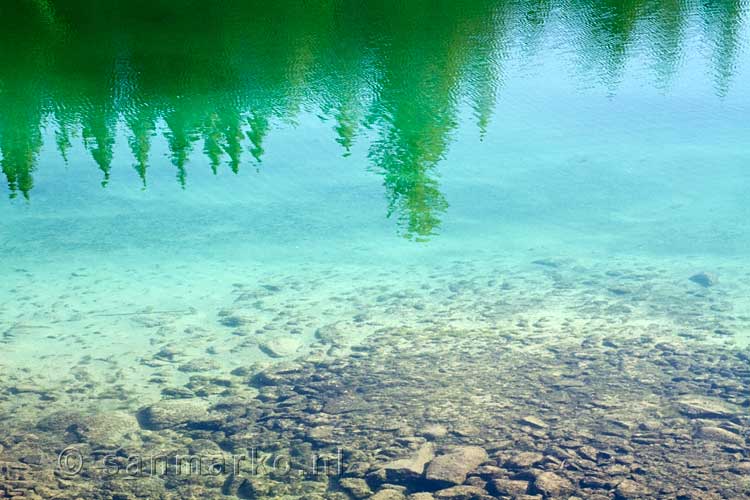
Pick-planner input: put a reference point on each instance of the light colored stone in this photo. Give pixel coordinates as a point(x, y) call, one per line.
point(535, 422)
point(742, 468)
point(552, 485)
point(421, 496)
point(630, 490)
point(588, 452)
point(462, 493)
point(453, 467)
point(281, 347)
point(107, 429)
point(720, 436)
point(702, 407)
point(433, 431)
point(388, 495)
point(411, 468)
point(320, 432)
point(356, 487)
point(510, 487)
point(173, 412)
point(524, 460)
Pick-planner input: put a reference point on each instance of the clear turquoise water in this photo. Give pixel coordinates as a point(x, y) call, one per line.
point(157, 158)
point(602, 127)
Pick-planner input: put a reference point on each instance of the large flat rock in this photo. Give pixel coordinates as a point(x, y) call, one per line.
point(174, 412)
point(411, 468)
point(452, 468)
point(703, 407)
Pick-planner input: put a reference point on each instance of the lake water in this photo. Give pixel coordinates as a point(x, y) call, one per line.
point(513, 235)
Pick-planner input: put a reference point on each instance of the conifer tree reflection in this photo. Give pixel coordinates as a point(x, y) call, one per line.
point(216, 78)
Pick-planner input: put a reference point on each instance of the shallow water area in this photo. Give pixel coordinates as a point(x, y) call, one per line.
point(452, 250)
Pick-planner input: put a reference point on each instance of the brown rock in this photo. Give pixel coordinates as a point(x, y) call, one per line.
point(357, 488)
point(588, 452)
point(320, 432)
point(388, 495)
point(720, 436)
point(630, 490)
point(107, 429)
point(524, 460)
point(173, 412)
point(433, 431)
point(489, 471)
point(409, 469)
point(421, 496)
point(462, 493)
point(701, 407)
point(510, 487)
point(551, 485)
point(742, 468)
point(535, 422)
point(453, 467)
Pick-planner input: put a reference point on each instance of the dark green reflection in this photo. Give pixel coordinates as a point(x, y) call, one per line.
point(218, 75)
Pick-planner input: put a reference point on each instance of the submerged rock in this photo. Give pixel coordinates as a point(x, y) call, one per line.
point(453, 467)
point(358, 488)
point(281, 347)
point(719, 435)
point(106, 429)
point(630, 490)
point(462, 493)
point(409, 469)
point(433, 431)
point(59, 421)
point(524, 460)
point(198, 365)
point(388, 495)
point(704, 279)
point(173, 412)
point(421, 496)
point(510, 487)
point(333, 334)
point(702, 407)
point(233, 320)
point(553, 263)
point(552, 485)
point(535, 422)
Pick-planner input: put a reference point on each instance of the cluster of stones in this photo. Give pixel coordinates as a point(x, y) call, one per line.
point(437, 415)
point(274, 315)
